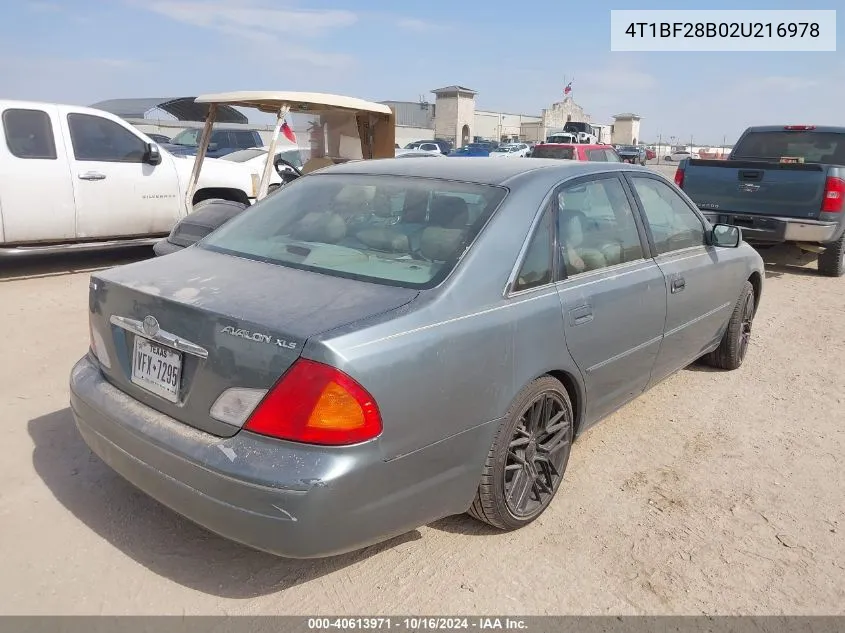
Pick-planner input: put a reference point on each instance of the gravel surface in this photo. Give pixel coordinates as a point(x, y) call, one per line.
point(715, 492)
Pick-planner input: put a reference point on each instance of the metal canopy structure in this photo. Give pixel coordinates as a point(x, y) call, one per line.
point(179, 108)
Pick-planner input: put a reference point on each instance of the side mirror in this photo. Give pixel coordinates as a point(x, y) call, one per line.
point(726, 235)
point(152, 156)
point(212, 147)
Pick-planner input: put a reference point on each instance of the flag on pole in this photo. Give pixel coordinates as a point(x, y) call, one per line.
point(568, 89)
point(288, 132)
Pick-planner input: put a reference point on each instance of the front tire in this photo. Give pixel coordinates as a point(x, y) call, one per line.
point(832, 260)
point(528, 458)
point(734, 345)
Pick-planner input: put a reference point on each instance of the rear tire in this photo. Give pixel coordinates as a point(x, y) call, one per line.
point(734, 345)
point(832, 260)
point(528, 458)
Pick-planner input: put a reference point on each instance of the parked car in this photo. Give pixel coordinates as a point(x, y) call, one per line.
point(340, 364)
point(510, 150)
point(74, 178)
point(471, 150)
point(681, 155)
point(781, 184)
point(576, 151)
point(340, 114)
point(650, 154)
point(159, 138)
point(257, 156)
point(632, 154)
point(223, 141)
point(444, 147)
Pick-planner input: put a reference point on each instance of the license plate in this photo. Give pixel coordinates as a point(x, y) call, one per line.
point(157, 369)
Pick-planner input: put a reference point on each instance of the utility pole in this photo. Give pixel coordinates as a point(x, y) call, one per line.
point(659, 146)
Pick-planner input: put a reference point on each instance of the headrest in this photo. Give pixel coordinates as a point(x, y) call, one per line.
point(385, 239)
point(448, 212)
point(320, 226)
point(572, 226)
point(438, 244)
point(415, 207)
point(593, 259)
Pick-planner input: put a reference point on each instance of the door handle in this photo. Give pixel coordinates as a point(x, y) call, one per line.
point(580, 316)
point(678, 284)
point(92, 175)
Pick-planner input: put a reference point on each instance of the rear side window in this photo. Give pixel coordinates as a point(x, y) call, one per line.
point(393, 230)
point(97, 139)
point(536, 269)
point(29, 134)
point(546, 151)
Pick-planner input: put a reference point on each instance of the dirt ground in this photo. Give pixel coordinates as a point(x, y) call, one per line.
point(717, 493)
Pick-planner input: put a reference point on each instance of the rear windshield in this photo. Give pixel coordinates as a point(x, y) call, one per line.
point(811, 146)
point(395, 230)
point(545, 151)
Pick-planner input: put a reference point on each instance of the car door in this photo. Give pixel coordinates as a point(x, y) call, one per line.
point(612, 293)
point(118, 194)
point(699, 277)
point(36, 190)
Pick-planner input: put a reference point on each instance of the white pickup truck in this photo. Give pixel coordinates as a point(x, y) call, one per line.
point(83, 179)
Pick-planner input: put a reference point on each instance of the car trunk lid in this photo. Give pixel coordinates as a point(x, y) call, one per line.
point(219, 322)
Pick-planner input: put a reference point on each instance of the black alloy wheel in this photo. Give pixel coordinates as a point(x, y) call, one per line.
point(526, 463)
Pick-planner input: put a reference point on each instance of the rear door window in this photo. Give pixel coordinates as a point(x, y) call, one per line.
point(29, 134)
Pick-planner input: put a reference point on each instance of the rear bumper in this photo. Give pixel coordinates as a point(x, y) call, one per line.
point(772, 230)
point(288, 499)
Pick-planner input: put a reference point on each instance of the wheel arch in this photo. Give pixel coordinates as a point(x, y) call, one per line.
point(576, 395)
point(756, 280)
point(223, 193)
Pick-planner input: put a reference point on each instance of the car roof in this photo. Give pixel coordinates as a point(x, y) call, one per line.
point(482, 171)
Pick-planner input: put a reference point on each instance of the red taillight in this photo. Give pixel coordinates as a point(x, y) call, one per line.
point(799, 127)
point(834, 195)
point(679, 177)
point(317, 404)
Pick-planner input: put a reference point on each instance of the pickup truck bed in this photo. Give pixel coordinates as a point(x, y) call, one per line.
point(789, 197)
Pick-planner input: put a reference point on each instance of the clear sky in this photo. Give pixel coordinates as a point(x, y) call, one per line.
point(516, 55)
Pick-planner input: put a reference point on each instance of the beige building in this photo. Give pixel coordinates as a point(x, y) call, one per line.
point(625, 129)
point(454, 117)
point(454, 114)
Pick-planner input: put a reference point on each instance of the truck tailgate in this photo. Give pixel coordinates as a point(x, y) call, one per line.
point(792, 190)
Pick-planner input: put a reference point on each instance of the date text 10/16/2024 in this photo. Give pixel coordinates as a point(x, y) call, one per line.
point(416, 623)
point(723, 30)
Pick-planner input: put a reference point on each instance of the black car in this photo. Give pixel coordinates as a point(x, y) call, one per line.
point(632, 154)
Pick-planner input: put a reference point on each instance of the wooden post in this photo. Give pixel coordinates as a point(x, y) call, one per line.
point(271, 153)
point(201, 151)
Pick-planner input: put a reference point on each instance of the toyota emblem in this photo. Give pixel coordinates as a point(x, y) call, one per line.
point(150, 325)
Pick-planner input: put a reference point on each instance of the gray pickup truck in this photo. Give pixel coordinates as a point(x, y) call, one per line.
point(779, 184)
